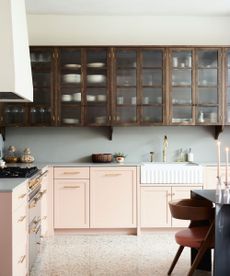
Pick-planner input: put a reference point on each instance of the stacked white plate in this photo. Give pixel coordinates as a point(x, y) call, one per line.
point(72, 66)
point(96, 65)
point(70, 121)
point(96, 78)
point(71, 78)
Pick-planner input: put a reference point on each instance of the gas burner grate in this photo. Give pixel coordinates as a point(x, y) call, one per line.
point(17, 172)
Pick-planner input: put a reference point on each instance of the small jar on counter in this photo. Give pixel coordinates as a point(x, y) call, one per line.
point(27, 157)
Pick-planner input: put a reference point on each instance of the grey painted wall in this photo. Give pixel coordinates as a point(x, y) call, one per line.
point(77, 144)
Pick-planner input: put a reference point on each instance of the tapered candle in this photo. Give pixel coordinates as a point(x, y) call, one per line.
point(218, 158)
point(226, 171)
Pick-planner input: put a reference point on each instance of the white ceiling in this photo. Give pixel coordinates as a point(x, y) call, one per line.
point(130, 7)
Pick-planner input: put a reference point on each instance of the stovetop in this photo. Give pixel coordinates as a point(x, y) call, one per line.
point(17, 172)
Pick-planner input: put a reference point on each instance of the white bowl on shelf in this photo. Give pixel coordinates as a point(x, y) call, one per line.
point(91, 98)
point(101, 98)
point(70, 121)
point(77, 97)
point(71, 78)
point(96, 78)
point(66, 98)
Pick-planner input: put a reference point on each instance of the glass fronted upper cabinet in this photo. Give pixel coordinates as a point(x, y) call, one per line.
point(152, 86)
point(227, 86)
point(15, 115)
point(41, 109)
point(70, 86)
point(181, 86)
point(208, 94)
point(96, 88)
point(125, 88)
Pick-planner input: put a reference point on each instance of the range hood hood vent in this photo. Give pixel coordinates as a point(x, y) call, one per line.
point(15, 69)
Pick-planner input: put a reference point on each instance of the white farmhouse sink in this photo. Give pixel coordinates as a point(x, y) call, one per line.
point(171, 173)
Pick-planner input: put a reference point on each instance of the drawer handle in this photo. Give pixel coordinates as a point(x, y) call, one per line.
point(22, 259)
point(22, 196)
point(44, 192)
point(21, 219)
point(112, 174)
point(71, 172)
point(71, 187)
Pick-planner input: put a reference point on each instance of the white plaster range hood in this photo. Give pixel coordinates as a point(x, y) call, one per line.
point(15, 69)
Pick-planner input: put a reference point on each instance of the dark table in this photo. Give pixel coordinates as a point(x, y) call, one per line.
point(222, 230)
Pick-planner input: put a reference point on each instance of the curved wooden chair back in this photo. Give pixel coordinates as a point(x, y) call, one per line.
point(192, 209)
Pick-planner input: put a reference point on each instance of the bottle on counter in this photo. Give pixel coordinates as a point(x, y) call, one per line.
point(190, 156)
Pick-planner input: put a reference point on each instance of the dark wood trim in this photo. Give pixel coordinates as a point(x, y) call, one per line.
point(217, 131)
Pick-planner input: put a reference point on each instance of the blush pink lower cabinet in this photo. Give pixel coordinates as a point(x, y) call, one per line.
point(14, 234)
point(154, 205)
point(71, 198)
point(44, 205)
point(113, 197)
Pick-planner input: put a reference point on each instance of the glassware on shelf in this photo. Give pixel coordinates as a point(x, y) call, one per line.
point(226, 193)
point(218, 190)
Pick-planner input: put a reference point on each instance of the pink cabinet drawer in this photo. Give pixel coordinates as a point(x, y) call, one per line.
point(19, 196)
point(71, 172)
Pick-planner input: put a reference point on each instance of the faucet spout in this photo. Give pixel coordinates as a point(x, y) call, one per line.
point(165, 146)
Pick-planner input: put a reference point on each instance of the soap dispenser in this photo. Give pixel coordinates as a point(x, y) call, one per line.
point(190, 156)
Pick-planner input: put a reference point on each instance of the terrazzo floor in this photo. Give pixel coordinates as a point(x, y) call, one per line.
point(111, 255)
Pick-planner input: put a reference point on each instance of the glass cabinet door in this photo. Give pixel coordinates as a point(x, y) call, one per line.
point(181, 86)
point(15, 114)
point(152, 86)
point(227, 87)
point(41, 109)
point(125, 98)
point(96, 87)
point(70, 86)
point(207, 86)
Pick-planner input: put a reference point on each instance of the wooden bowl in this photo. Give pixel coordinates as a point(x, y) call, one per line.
point(102, 157)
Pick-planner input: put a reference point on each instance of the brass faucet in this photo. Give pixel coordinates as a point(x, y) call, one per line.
point(165, 145)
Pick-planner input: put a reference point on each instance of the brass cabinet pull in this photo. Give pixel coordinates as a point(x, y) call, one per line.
point(71, 187)
point(112, 174)
point(71, 172)
point(22, 196)
point(21, 218)
point(22, 259)
point(44, 192)
point(32, 204)
point(35, 200)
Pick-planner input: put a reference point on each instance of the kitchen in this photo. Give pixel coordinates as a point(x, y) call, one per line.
point(53, 145)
